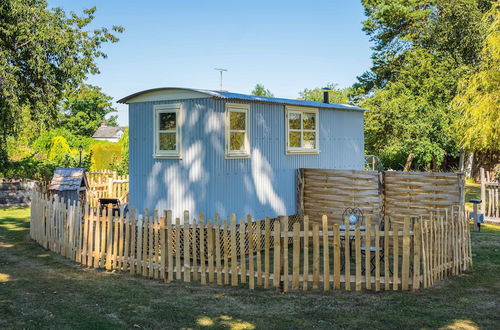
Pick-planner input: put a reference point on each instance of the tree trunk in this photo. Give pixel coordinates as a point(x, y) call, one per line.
point(408, 162)
point(469, 161)
point(461, 162)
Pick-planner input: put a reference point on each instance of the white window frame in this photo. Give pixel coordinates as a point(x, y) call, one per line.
point(243, 108)
point(301, 111)
point(167, 108)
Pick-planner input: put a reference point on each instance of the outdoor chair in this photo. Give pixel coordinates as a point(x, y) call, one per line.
point(355, 216)
point(373, 250)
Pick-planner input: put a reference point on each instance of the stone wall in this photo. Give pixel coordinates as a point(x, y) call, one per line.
point(15, 192)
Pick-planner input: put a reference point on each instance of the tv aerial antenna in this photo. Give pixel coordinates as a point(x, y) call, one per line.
point(221, 72)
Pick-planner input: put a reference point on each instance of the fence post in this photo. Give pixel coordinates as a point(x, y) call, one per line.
point(326, 255)
point(110, 187)
point(277, 254)
point(483, 191)
point(300, 191)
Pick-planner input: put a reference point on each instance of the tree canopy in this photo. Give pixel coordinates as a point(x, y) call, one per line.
point(43, 53)
point(422, 49)
point(85, 109)
point(335, 95)
point(260, 90)
point(478, 97)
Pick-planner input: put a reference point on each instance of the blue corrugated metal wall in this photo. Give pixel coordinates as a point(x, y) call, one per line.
point(205, 181)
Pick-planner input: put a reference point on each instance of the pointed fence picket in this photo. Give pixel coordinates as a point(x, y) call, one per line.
point(403, 254)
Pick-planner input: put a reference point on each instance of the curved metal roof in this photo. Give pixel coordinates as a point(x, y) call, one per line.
point(250, 98)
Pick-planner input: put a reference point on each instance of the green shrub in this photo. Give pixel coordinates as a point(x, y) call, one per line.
point(121, 167)
point(43, 142)
point(105, 154)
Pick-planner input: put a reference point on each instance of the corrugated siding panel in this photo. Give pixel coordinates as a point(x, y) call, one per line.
point(205, 181)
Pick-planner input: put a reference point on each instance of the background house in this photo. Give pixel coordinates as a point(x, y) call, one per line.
point(209, 151)
point(109, 133)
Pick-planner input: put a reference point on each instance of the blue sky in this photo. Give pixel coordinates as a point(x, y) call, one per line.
point(285, 45)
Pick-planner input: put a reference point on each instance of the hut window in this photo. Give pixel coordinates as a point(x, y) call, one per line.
point(302, 133)
point(167, 130)
point(237, 131)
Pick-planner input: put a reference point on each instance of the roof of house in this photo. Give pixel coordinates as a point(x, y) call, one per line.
point(108, 132)
point(251, 98)
point(68, 179)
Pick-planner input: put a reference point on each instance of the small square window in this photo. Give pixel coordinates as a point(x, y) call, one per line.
point(302, 130)
point(167, 133)
point(237, 131)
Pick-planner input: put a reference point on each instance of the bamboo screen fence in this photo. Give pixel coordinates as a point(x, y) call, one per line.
point(310, 256)
point(377, 194)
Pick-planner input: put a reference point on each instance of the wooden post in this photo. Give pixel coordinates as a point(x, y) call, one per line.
point(170, 245)
point(210, 252)
point(157, 259)
point(258, 234)
point(133, 229)
point(368, 277)
point(163, 249)
point(483, 191)
point(395, 231)
point(336, 257)
point(109, 191)
point(296, 256)
point(251, 269)
point(357, 244)
point(97, 240)
point(195, 249)
point(138, 255)
point(218, 264)
point(277, 254)
point(145, 233)
point(315, 283)
point(243, 270)
point(225, 235)
point(406, 254)
point(416, 258)
point(187, 254)
point(305, 282)
point(234, 256)
point(178, 265)
point(377, 258)
point(300, 191)
point(284, 250)
point(267, 246)
point(347, 254)
point(326, 255)
point(202, 250)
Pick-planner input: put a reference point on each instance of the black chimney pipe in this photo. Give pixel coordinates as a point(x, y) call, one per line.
point(326, 99)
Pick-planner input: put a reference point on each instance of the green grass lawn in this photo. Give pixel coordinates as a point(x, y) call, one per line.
point(472, 191)
point(40, 289)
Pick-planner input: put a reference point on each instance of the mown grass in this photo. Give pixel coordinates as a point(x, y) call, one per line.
point(39, 289)
point(472, 191)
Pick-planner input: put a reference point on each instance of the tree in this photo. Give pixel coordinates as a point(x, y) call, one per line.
point(478, 99)
point(422, 49)
point(85, 108)
point(59, 149)
point(335, 95)
point(260, 90)
point(396, 26)
point(43, 53)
